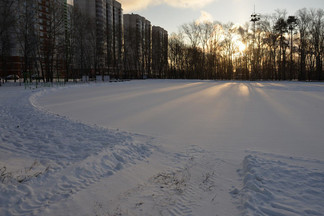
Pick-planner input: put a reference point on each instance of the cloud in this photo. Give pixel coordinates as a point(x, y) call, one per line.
point(134, 5)
point(188, 3)
point(204, 17)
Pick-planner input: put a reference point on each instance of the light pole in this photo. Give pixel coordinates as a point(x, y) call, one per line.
point(292, 23)
point(254, 18)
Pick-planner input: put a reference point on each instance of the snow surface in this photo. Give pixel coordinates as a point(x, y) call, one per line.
point(163, 147)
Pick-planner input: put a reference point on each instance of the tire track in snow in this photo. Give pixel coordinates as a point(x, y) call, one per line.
point(177, 191)
point(62, 184)
point(76, 155)
point(280, 185)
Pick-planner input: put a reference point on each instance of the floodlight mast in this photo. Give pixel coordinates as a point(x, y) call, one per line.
point(254, 18)
point(292, 22)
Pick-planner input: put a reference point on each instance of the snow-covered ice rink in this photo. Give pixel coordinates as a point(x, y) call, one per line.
point(163, 147)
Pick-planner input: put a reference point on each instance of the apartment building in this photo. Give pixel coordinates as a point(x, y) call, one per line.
point(97, 11)
point(10, 53)
point(53, 23)
point(31, 37)
point(138, 46)
point(115, 39)
point(159, 52)
point(126, 46)
point(108, 16)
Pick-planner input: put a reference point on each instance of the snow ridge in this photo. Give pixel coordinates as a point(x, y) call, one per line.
point(65, 156)
point(278, 185)
point(185, 189)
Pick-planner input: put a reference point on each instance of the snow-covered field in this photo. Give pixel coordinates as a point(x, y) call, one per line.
point(163, 147)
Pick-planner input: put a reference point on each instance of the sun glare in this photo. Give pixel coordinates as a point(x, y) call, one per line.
point(241, 46)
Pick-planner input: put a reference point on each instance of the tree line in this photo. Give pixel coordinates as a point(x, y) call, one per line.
point(274, 47)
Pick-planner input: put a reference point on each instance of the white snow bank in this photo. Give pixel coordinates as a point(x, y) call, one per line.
point(279, 185)
point(45, 158)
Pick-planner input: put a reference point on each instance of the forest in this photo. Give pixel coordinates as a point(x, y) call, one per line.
point(268, 47)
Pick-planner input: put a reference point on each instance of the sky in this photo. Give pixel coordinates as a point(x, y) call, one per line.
point(170, 14)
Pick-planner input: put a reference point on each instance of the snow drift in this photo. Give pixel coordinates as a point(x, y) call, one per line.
point(280, 185)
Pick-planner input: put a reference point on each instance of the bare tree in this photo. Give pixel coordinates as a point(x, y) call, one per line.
point(81, 48)
point(206, 32)
point(281, 28)
point(27, 35)
point(53, 35)
point(303, 26)
point(215, 48)
point(176, 54)
point(316, 33)
point(192, 33)
point(243, 31)
point(94, 48)
point(229, 50)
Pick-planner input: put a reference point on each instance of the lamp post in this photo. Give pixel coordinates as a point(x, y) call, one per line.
point(292, 23)
point(254, 18)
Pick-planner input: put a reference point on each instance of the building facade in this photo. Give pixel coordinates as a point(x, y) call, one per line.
point(108, 16)
point(96, 11)
point(138, 46)
point(10, 54)
point(33, 40)
point(115, 39)
point(121, 46)
point(159, 52)
point(53, 20)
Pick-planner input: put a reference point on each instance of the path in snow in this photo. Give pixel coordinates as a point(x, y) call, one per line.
point(46, 159)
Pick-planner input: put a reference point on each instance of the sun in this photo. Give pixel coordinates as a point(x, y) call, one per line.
point(241, 46)
point(238, 44)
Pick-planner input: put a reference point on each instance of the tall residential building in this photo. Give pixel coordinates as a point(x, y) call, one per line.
point(108, 16)
point(68, 10)
point(97, 10)
point(53, 35)
point(68, 6)
point(30, 37)
point(159, 52)
point(115, 38)
point(138, 46)
point(10, 52)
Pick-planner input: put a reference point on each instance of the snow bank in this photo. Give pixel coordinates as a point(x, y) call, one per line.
point(279, 185)
point(45, 158)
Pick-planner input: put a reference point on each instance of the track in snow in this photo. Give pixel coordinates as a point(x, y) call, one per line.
point(59, 157)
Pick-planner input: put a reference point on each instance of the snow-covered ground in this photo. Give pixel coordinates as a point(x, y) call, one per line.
point(163, 147)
